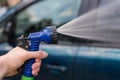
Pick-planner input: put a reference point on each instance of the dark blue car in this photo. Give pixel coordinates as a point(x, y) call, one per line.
point(71, 58)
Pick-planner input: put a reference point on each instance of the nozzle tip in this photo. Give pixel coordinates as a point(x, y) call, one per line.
point(54, 35)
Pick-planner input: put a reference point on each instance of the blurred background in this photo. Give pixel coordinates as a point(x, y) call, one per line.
point(72, 58)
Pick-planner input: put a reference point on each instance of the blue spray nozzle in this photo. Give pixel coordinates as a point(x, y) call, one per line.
point(47, 35)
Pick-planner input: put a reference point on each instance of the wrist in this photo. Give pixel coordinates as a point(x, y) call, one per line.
point(3, 68)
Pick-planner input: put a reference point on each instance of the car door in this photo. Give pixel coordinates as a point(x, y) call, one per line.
point(60, 62)
point(96, 60)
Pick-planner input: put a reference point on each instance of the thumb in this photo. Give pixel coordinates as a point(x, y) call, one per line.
point(37, 54)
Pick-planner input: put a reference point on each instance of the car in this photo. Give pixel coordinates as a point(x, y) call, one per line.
point(72, 58)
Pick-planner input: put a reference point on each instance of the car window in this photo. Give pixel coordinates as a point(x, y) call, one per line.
point(46, 13)
point(107, 13)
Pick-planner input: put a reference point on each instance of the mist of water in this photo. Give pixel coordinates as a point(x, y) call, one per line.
point(101, 24)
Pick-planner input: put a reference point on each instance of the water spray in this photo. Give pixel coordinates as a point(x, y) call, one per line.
point(100, 24)
point(31, 43)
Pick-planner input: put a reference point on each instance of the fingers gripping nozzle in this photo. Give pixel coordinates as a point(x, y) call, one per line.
point(31, 43)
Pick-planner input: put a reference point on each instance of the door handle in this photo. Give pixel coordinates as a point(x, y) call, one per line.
point(56, 69)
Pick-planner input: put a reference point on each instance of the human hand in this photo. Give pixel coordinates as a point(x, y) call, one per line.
point(15, 58)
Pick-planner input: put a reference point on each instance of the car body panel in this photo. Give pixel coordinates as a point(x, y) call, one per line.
point(60, 62)
point(96, 63)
